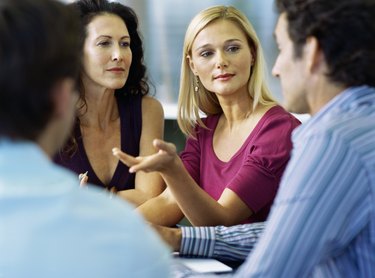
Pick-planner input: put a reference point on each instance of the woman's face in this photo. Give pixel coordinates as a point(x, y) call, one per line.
point(221, 57)
point(107, 55)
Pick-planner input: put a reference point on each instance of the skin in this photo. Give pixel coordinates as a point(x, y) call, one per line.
point(171, 236)
point(106, 63)
point(221, 58)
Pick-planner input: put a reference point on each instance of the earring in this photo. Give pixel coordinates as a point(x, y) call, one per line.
point(196, 87)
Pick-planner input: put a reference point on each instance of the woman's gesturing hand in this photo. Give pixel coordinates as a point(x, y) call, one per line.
point(160, 161)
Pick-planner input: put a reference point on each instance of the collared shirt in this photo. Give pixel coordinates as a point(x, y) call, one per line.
point(49, 227)
point(322, 223)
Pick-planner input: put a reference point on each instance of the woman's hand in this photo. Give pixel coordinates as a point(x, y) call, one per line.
point(160, 161)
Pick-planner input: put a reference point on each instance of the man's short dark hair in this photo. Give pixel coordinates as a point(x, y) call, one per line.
point(345, 30)
point(39, 46)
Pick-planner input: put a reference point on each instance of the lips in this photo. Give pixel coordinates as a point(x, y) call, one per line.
point(116, 69)
point(223, 76)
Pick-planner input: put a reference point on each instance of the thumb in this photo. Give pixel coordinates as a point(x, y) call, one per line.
point(164, 146)
point(125, 158)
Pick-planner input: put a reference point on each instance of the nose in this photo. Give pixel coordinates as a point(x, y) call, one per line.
point(116, 53)
point(221, 60)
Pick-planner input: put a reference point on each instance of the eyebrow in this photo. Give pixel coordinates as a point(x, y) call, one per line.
point(109, 37)
point(226, 42)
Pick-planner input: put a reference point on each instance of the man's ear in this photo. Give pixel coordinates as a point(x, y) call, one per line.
point(62, 94)
point(314, 54)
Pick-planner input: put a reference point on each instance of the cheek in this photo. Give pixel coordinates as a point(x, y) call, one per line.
point(285, 61)
point(99, 58)
point(246, 69)
point(94, 61)
point(96, 56)
point(203, 69)
point(128, 59)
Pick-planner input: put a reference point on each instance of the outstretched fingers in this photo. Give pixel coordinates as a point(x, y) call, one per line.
point(124, 157)
point(159, 161)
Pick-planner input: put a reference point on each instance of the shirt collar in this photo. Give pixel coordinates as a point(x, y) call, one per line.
point(349, 98)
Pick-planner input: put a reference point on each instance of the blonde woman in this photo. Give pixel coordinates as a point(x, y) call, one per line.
point(234, 157)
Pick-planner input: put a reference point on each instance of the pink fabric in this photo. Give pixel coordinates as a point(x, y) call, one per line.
point(254, 171)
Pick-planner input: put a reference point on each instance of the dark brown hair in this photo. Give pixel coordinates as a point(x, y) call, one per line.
point(34, 55)
point(345, 30)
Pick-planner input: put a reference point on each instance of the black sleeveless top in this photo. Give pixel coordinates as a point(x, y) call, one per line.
point(130, 109)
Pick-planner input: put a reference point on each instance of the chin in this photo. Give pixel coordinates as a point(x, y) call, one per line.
point(296, 103)
point(116, 86)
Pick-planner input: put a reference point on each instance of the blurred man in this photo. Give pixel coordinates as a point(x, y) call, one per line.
point(49, 227)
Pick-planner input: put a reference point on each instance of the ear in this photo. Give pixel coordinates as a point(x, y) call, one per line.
point(62, 95)
point(314, 55)
point(191, 64)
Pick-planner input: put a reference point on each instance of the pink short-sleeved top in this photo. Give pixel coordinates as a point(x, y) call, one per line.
point(254, 171)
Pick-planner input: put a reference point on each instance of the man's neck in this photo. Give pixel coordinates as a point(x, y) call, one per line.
point(321, 94)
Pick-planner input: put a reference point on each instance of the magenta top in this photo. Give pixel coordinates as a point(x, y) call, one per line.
point(254, 171)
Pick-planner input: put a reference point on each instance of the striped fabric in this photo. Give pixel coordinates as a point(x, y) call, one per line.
point(225, 243)
point(322, 223)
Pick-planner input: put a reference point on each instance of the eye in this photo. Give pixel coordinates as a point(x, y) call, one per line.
point(125, 44)
point(104, 43)
point(233, 48)
point(205, 53)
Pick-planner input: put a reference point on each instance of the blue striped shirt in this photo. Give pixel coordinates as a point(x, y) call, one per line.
point(322, 223)
point(225, 243)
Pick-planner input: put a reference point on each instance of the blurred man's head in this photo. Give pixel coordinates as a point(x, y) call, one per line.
point(40, 54)
point(335, 39)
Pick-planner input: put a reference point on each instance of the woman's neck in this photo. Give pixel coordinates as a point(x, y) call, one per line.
point(101, 109)
point(236, 110)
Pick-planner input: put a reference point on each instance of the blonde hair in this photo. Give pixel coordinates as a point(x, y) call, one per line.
point(190, 103)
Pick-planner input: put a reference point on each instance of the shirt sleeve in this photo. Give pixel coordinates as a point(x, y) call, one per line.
point(257, 182)
point(309, 219)
point(191, 158)
point(224, 243)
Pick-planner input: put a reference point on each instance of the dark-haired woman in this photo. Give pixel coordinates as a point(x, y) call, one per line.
point(114, 109)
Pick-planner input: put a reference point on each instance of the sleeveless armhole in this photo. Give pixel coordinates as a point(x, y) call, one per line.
point(130, 109)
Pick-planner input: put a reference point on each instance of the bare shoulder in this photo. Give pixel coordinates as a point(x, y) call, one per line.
point(152, 109)
point(151, 104)
point(152, 123)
